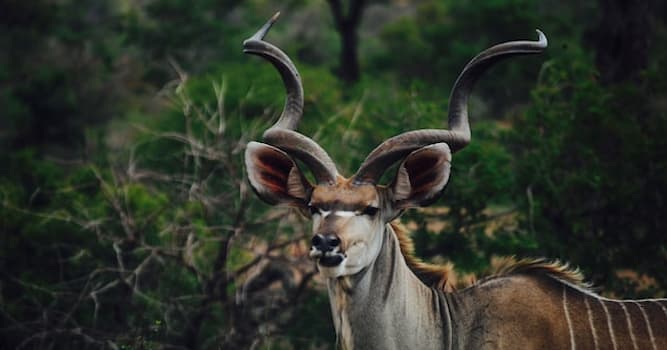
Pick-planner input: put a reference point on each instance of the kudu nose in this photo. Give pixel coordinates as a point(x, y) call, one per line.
point(325, 243)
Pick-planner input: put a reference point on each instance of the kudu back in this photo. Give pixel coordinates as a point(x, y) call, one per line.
point(381, 296)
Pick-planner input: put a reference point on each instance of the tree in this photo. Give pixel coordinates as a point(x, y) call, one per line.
point(621, 39)
point(161, 248)
point(347, 24)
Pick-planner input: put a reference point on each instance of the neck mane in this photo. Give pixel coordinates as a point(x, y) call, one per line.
point(443, 277)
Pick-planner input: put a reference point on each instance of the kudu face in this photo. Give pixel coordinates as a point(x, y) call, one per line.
point(346, 227)
point(348, 217)
point(350, 214)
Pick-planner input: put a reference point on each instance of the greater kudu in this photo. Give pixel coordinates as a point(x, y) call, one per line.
point(381, 296)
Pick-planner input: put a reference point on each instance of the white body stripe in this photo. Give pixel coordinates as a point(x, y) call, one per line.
point(611, 329)
point(573, 344)
point(592, 324)
point(648, 325)
point(661, 306)
point(629, 320)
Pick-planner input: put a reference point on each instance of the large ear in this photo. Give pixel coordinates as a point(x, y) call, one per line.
point(275, 177)
point(422, 176)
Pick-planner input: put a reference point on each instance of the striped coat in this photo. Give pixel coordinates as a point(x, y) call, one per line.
point(400, 303)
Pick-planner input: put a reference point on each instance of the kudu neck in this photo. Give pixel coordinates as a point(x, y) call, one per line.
point(381, 306)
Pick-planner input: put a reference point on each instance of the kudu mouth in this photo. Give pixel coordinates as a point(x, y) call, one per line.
point(331, 261)
point(327, 259)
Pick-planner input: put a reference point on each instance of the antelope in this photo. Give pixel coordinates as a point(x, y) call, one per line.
point(381, 296)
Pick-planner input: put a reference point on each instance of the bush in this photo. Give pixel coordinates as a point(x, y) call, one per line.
point(591, 159)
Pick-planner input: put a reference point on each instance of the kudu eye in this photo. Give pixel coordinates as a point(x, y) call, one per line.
point(313, 210)
point(370, 211)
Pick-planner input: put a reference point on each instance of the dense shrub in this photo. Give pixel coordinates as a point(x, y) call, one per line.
point(125, 217)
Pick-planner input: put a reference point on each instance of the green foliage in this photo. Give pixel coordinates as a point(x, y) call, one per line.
point(591, 156)
point(181, 29)
point(162, 230)
point(480, 209)
point(442, 44)
point(51, 98)
point(141, 232)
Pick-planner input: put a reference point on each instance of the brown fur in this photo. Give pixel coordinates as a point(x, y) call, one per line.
point(444, 277)
point(345, 194)
point(441, 276)
point(538, 266)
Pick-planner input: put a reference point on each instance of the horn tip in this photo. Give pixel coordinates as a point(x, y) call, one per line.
point(261, 33)
point(542, 39)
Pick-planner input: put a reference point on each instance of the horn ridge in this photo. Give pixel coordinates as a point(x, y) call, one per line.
point(458, 136)
point(282, 134)
point(255, 45)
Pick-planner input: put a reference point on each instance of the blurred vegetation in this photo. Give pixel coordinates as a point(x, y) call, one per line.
point(125, 218)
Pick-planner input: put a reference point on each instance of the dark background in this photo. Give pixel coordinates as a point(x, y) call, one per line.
point(125, 218)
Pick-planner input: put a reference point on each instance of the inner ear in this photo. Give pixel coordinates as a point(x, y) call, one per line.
point(275, 177)
point(422, 176)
